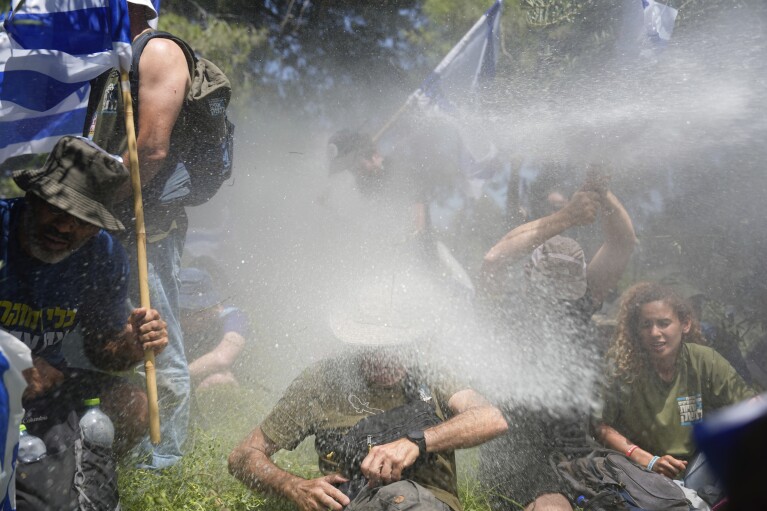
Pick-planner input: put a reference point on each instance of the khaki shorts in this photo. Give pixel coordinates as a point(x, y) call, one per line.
point(399, 496)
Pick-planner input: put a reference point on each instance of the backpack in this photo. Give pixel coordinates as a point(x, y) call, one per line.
point(203, 139)
point(610, 481)
point(73, 476)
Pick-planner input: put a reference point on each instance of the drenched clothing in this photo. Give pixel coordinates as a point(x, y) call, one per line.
point(658, 416)
point(330, 397)
point(40, 303)
point(556, 338)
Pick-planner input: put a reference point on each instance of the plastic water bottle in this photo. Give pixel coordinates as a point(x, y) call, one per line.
point(97, 428)
point(31, 448)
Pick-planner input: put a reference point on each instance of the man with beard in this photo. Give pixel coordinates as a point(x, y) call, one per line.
point(59, 268)
point(386, 426)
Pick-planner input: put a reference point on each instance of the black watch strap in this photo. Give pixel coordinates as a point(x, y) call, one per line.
point(418, 438)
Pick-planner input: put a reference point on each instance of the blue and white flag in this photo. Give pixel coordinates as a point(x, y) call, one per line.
point(468, 66)
point(659, 20)
point(455, 83)
point(49, 52)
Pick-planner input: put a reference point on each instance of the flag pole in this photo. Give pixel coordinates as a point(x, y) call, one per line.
point(394, 118)
point(143, 271)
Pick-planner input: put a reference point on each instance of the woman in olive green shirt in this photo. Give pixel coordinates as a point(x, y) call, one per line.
point(664, 381)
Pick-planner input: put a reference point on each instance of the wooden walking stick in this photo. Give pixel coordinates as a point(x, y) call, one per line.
point(143, 271)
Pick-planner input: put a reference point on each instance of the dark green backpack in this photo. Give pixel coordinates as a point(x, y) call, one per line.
point(610, 481)
point(203, 138)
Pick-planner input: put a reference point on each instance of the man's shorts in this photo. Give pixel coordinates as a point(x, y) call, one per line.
point(399, 496)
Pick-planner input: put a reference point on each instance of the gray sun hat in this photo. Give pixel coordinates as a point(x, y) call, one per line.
point(387, 310)
point(559, 267)
point(80, 178)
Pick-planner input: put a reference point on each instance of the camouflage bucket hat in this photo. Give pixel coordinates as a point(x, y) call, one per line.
point(80, 178)
point(559, 267)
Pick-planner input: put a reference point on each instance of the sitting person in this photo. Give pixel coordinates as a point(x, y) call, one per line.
point(544, 314)
point(664, 381)
point(373, 380)
point(61, 268)
point(214, 335)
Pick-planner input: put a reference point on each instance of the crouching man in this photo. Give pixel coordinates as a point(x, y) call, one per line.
point(60, 268)
point(385, 429)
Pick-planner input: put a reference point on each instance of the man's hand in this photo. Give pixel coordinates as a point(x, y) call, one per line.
point(41, 378)
point(319, 494)
point(669, 466)
point(597, 180)
point(582, 208)
point(148, 330)
point(385, 463)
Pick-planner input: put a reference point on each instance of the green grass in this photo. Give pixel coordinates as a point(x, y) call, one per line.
point(201, 480)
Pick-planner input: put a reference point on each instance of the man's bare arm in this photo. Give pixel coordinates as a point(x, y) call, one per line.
point(251, 463)
point(475, 421)
point(220, 358)
point(521, 241)
point(164, 82)
point(608, 264)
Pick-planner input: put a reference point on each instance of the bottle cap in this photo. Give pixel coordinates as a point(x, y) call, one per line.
point(22, 427)
point(94, 401)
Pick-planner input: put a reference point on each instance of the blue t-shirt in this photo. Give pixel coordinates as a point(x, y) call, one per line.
point(40, 303)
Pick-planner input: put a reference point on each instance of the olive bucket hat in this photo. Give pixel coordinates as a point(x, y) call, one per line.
point(80, 178)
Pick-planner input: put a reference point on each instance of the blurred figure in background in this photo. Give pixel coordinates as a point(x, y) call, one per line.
point(215, 336)
point(357, 154)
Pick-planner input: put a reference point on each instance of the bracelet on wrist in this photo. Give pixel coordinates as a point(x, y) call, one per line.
point(631, 450)
point(652, 463)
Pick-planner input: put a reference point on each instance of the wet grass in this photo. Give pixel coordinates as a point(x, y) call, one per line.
point(201, 480)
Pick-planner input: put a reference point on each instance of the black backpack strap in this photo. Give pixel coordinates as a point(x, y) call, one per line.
point(137, 48)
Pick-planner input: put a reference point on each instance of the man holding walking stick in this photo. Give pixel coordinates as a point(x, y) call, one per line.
point(163, 84)
point(60, 268)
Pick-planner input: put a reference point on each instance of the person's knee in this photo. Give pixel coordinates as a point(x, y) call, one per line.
point(217, 379)
point(127, 406)
point(550, 502)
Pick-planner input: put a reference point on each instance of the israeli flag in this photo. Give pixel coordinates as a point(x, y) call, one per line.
point(659, 20)
point(468, 66)
point(49, 52)
point(454, 84)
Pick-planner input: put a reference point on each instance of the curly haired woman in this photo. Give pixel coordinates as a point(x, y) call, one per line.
point(664, 381)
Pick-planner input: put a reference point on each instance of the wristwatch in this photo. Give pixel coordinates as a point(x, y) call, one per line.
point(418, 438)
